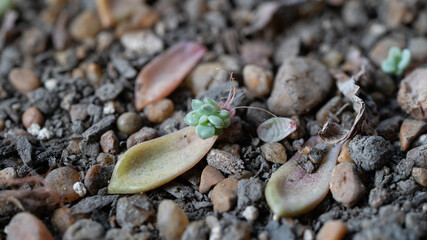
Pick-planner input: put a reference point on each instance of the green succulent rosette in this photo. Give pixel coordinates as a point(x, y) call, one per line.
point(207, 117)
point(397, 61)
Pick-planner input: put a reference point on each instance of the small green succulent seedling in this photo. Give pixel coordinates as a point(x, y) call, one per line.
point(208, 117)
point(396, 61)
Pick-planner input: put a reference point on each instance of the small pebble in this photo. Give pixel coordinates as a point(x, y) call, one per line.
point(250, 213)
point(97, 177)
point(143, 42)
point(134, 211)
point(224, 161)
point(25, 225)
point(84, 229)
point(145, 134)
point(418, 48)
point(32, 115)
point(419, 141)
point(389, 128)
point(80, 189)
point(159, 111)
point(210, 177)
point(390, 214)
point(24, 80)
point(62, 219)
point(274, 152)
point(224, 195)
point(129, 123)
point(33, 41)
point(293, 92)
point(8, 173)
point(62, 181)
point(78, 112)
point(90, 149)
point(418, 155)
point(332, 230)
point(420, 176)
point(109, 142)
point(370, 152)
point(409, 130)
point(94, 74)
point(204, 75)
point(105, 159)
point(333, 58)
point(85, 25)
point(257, 80)
point(378, 197)
point(354, 14)
point(344, 155)
point(345, 185)
point(171, 220)
point(196, 230)
point(412, 94)
point(249, 192)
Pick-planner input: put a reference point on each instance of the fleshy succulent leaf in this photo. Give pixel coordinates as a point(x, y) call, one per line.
point(196, 104)
point(276, 129)
point(207, 109)
point(210, 101)
point(205, 132)
point(216, 121)
point(192, 118)
point(397, 61)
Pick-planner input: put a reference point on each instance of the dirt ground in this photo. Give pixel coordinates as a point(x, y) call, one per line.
point(72, 73)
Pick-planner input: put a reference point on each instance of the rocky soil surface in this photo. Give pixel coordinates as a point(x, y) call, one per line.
point(68, 73)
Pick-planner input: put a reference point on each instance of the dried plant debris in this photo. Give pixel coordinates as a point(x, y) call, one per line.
point(333, 132)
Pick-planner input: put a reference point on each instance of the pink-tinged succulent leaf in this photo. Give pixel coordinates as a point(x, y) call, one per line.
point(162, 75)
point(276, 129)
point(291, 191)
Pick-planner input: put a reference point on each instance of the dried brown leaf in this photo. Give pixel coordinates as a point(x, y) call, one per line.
point(333, 132)
point(163, 74)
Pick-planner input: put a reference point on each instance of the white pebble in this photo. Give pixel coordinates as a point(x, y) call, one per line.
point(34, 129)
point(108, 108)
point(80, 189)
point(51, 84)
point(250, 213)
point(44, 134)
point(213, 224)
point(308, 235)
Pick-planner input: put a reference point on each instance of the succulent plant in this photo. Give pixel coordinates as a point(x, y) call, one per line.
point(208, 117)
point(396, 61)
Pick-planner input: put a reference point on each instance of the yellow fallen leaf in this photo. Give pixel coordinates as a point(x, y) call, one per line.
point(151, 164)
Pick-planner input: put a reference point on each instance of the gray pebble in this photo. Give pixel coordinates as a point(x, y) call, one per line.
point(370, 152)
point(96, 130)
point(89, 148)
point(419, 156)
point(249, 192)
point(84, 229)
point(195, 231)
point(109, 91)
point(277, 232)
point(134, 210)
